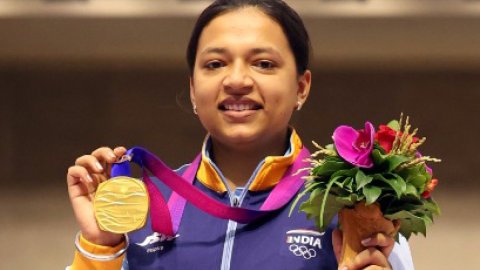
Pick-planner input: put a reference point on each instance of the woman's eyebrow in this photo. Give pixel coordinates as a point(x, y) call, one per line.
point(264, 50)
point(220, 50)
point(214, 50)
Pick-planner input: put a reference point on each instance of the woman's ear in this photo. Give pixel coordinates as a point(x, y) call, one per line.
point(304, 83)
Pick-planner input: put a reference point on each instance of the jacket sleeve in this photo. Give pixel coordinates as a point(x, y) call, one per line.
point(82, 263)
point(401, 258)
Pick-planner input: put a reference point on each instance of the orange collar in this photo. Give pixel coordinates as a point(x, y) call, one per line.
point(269, 173)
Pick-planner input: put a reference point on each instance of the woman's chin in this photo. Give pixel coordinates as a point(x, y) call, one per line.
point(239, 137)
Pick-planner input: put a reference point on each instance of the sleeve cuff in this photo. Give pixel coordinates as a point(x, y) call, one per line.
point(99, 249)
point(80, 262)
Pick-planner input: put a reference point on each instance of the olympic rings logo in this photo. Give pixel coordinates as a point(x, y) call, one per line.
point(304, 251)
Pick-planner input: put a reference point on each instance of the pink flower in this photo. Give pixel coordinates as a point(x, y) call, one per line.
point(355, 146)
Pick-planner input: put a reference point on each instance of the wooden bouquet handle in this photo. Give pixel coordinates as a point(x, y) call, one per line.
point(359, 223)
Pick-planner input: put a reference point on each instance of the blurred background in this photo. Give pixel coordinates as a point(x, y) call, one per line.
point(79, 74)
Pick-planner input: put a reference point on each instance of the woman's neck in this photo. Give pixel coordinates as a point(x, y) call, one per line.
point(238, 163)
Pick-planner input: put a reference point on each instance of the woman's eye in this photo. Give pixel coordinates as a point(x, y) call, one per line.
point(265, 64)
point(214, 64)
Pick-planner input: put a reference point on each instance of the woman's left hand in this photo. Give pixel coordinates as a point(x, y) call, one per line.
point(375, 256)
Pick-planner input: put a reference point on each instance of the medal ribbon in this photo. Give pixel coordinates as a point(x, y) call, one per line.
point(166, 217)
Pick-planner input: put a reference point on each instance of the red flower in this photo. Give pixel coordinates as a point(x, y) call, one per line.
point(385, 137)
point(429, 189)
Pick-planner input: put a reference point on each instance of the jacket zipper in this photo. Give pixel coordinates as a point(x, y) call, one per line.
point(229, 236)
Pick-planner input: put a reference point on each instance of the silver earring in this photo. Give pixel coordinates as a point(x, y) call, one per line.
point(195, 109)
point(299, 105)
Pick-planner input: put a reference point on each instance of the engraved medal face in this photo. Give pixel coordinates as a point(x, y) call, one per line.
point(121, 204)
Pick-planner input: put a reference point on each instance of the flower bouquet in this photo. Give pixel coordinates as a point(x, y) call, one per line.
point(375, 181)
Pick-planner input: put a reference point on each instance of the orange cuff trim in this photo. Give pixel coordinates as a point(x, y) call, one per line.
point(99, 249)
point(82, 263)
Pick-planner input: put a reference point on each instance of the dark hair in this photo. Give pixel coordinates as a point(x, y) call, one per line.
point(278, 10)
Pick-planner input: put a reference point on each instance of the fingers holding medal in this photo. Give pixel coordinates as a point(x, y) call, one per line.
point(103, 159)
point(119, 204)
point(83, 179)
point(88, 169)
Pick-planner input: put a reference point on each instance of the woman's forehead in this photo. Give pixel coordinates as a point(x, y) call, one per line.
point(243, 26)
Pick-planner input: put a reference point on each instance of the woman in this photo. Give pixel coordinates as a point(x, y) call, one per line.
point(248, 61)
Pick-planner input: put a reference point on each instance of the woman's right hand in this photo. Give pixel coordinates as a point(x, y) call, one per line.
point(82, 180)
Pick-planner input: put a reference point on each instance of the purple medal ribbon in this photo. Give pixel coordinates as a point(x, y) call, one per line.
point(166, 217)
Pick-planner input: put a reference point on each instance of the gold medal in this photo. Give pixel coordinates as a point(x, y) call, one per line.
point(121, 204)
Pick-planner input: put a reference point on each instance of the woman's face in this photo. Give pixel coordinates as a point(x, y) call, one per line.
point(245, 84)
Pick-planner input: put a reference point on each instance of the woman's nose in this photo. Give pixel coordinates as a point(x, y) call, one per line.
point(238, 78)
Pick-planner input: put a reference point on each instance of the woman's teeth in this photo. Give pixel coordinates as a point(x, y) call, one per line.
point(239, 107)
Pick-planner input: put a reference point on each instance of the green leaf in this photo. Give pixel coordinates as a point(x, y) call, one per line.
point(349, 200)
point(413, 171)
point(394, 125)
point(410, 223)
point(312, 208)
point(345, 200)
point(418, 181)
point(371, 193)
point(411, 190)
point(394, 181)
point(348, 173)
point(394, 161)
point(330, 167)
point(362, 179)
point(432, 206)
point(348, 184)
point(357, 198)
point(331, 209)
point(300, 195)
point(324, 201)
point(344, 176)
point(334, 158)
point(339, 180)
point(410, 206)
point(378, 157)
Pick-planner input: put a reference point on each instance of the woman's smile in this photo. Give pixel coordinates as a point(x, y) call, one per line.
point(239, 109)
